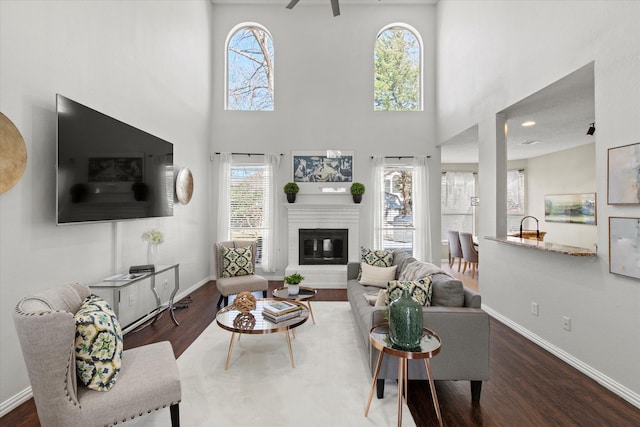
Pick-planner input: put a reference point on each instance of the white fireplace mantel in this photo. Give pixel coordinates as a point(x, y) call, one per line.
point(311, 215)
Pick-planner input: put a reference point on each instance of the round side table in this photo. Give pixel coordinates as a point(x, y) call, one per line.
point(304, 296)
point(429, 347)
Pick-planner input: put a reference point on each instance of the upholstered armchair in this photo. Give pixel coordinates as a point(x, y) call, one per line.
point(148, 379)
point(235, 269)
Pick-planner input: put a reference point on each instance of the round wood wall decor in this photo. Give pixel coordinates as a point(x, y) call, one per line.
point(13, 154)
point(184, 186)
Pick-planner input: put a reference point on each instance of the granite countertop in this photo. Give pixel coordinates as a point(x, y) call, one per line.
point(544, 246)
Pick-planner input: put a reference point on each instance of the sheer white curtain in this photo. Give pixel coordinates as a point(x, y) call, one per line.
point(224, 190)
point(269, 253)
point(377, 162)
point(421, 217)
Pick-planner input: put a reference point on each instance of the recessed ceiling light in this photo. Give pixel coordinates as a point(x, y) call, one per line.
point(531, 142)
point(528, 123)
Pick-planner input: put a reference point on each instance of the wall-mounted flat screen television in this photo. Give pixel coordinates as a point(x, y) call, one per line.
point(108, 170)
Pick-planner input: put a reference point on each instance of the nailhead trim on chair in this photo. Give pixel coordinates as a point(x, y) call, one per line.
point(141, 414)
point(69, 357)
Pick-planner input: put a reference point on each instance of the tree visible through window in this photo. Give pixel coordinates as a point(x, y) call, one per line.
point(250, 69)
point(397, 224)
point(397, 59)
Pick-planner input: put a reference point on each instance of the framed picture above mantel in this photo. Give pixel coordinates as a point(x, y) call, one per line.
point(323, 171)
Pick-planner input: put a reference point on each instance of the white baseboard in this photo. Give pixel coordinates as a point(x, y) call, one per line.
point(610, 384)
point(15, 401)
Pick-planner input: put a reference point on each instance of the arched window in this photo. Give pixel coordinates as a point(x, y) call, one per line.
point(249, 79)
point(398, 69)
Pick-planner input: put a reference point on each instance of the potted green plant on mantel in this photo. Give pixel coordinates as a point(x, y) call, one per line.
point(293, 283)
point(291, 189)
point(357, 190)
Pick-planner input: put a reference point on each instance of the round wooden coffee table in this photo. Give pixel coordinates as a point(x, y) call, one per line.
point(232, 320)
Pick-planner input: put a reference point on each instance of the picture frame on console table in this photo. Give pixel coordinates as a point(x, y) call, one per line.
point(623, 173)
point(323, 171)
point(624, 246)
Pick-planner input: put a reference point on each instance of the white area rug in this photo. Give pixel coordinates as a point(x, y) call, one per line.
point(328, 387)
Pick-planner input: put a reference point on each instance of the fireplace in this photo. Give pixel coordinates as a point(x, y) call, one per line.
point(320, 246)
point(321, 272)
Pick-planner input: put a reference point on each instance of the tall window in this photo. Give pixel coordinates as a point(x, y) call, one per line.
point(457, 189)
point(250, 69)
point(401, 213)
point(247, 205)
point(516, 208)
point(397, 63)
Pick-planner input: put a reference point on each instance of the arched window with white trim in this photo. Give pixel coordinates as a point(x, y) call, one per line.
point(250, 67)
point(398, 69)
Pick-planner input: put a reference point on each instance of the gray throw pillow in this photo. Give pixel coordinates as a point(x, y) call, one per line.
point(446, 291)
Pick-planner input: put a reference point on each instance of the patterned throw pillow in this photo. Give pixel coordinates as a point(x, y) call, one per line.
point(420, 290)
point(378, 258)
point(98, 344)
point(237, 261)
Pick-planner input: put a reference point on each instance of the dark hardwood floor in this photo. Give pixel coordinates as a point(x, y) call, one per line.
point(528, 385)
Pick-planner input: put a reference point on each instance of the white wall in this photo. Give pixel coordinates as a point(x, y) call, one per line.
point(565, 172)
point(492, 54)
point(324, 96)
point(147, 63)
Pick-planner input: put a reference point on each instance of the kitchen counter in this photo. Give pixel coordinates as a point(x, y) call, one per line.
point(544, 246)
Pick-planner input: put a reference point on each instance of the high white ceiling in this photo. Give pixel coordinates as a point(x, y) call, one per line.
point(342, 2)
point(562, 112)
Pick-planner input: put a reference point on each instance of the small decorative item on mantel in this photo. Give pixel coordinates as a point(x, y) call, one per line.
point(357, 190)
point(153, 238)
point(291, 189)
point(293, 283)
point(405, 322)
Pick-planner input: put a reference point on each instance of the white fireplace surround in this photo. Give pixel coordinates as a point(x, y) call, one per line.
point(305, 215)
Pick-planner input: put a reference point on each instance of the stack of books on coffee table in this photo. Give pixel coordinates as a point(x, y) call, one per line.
point(277, 311)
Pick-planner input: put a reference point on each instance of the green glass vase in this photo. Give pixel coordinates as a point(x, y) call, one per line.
point(405, 322)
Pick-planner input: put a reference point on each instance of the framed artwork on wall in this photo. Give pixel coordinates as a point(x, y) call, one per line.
point(570, 208)
point(323, 172)
point(624, 246)
point(624, 175)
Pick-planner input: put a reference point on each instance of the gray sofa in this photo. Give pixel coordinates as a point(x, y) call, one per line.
point(455, 315)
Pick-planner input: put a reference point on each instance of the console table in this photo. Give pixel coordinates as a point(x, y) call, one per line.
point(115, 287)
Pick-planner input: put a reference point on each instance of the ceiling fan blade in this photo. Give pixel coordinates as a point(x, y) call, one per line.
point(335, 7)
point(292, 3)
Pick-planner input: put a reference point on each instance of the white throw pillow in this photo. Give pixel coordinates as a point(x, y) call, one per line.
point(377, 276)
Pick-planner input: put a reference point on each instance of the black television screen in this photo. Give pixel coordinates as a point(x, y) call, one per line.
point(108, 170)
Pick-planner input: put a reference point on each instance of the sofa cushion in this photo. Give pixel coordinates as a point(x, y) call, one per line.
point(420, 290)
point(447, 291)
point(379, 258)
point(98, 344)
point(237, 261)
point(401, 259)
point(376, 276)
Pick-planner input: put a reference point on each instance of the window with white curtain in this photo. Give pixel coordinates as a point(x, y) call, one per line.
point(457, 189)
point(247, 205)
point(401, 218)
point(516, 208)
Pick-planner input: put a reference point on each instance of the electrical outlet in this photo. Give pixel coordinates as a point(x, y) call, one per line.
point(566, 323)
point(132, 300)
point(534, 308)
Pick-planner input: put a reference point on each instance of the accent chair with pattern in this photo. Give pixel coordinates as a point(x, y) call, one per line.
point(235, 269)
point(62, 331)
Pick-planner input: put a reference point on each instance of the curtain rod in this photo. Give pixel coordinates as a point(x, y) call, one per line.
point(400, 157)
point(247, 154)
